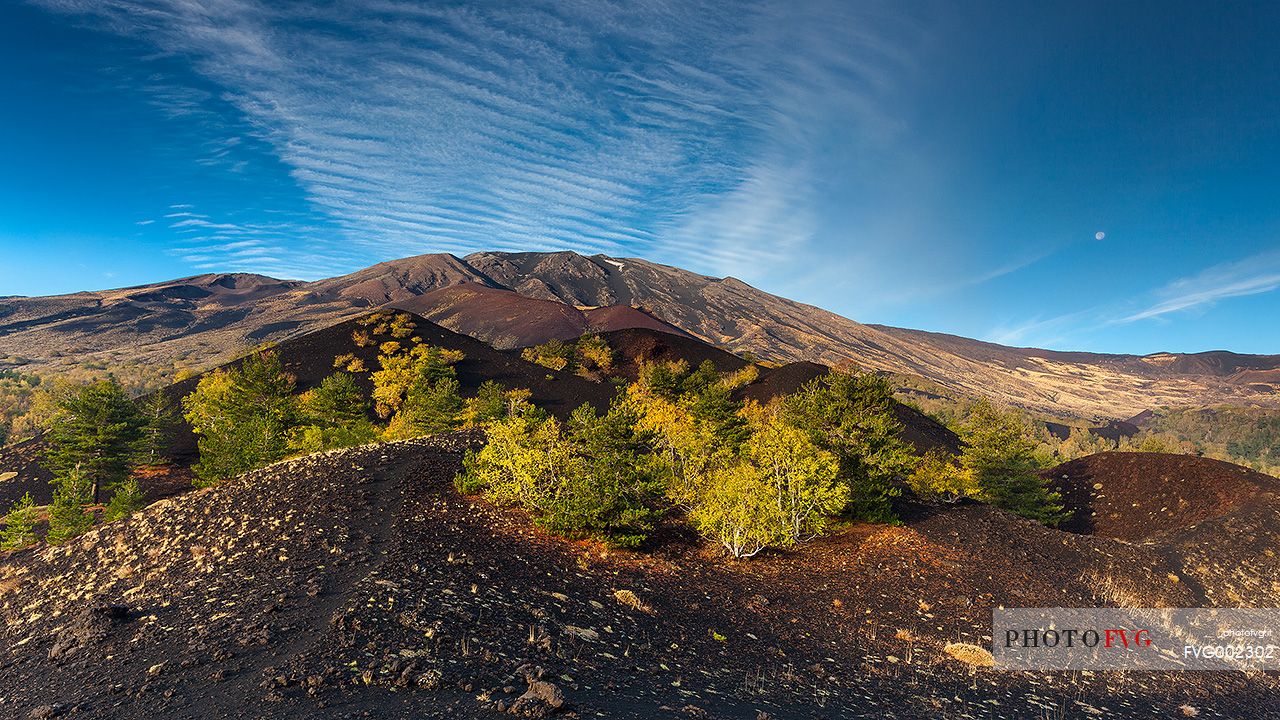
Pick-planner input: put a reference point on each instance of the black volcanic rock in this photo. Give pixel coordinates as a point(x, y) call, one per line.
point(359, 583)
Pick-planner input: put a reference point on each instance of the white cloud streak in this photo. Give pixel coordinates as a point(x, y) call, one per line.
point(1250, 276)
point(685, 131)
point(1253, 275)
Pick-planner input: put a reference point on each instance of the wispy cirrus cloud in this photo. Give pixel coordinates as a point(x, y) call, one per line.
point(1251, 276)
point(265, 246)
point(686, 131)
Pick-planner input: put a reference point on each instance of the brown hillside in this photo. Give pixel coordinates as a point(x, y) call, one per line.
point(309, 359)
point(360, 582)
point(634, 346)
point(1139, 496)
point(501, 318)
point(623, 317)
point(507, 320)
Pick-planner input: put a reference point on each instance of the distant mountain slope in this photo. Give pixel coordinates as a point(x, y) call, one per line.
point(211, 318)
point(506, 319)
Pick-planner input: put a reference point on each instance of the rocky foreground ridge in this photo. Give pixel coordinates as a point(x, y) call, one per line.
point(359, 583)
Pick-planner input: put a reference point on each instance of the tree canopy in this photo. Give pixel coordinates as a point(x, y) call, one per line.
point(242, 416)
point(98, 430)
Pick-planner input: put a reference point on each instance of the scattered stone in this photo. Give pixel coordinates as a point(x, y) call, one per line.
point(582, 633)
point(530, 672)
point(430, 680)
point(90, 626)
point(539, 698)
point(44, 712)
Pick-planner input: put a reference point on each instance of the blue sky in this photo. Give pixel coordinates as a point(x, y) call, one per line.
point(934, 165)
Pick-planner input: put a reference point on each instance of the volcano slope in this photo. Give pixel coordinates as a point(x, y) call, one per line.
point(208, 319)
point(310, 359)
point(1219, 521)
point(507, 320)
point(358, 583)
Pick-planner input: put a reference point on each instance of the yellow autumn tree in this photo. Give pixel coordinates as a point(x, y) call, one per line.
point(400, 369)
point(738, 509)
point(685, 447)
point(801, 476)
point(522, 463)
point(939, 477)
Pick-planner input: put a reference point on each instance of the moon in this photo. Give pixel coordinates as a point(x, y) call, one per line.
point(1099, 235)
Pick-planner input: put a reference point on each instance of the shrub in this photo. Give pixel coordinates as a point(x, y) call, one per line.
point(685, 448)
point(401, 370)
point(521, 460)
point(494, 403)
point(242, 416)
point(553, 354)
point(429, 408)
point(590, 478)
point(1000, 455)
point(67, 518)
point(402, 326)
point(742, 378)
point(594, 354)
point(939, 478)
point(19, 525)
point(126, 500)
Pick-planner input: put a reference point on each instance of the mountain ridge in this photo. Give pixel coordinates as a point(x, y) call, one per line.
point(207, 319)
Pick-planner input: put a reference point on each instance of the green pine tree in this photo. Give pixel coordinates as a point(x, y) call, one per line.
point(334, 414)
point(67, 518)
point(1000, 455)
point(852, 416)
point(430, 407)
point(98, 430)
point(159, 414)
point(242, 416)
point(126, 500)
point(19, 525)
